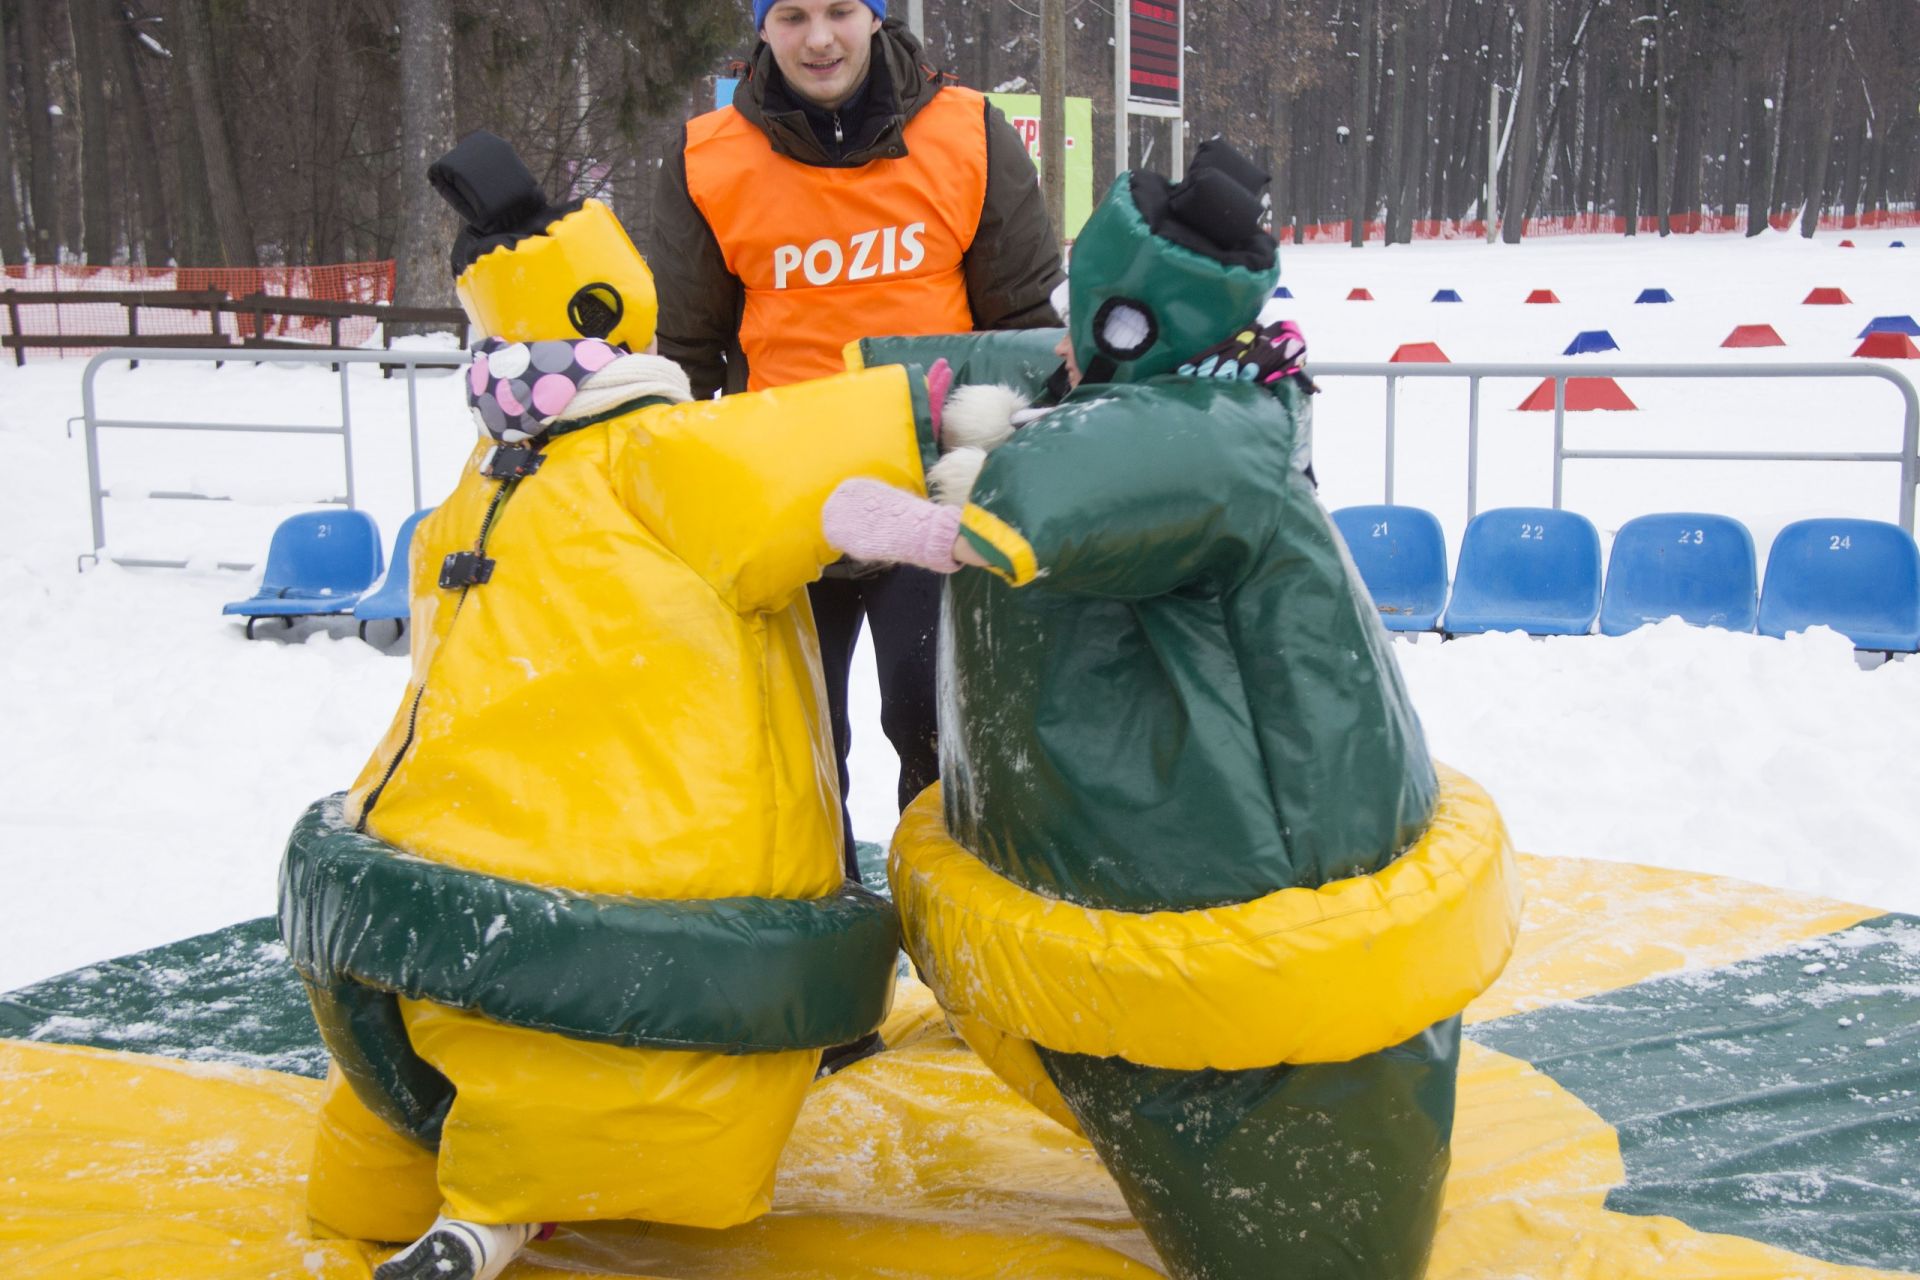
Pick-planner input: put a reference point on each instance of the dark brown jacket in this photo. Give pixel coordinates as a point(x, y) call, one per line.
point(1011, 269)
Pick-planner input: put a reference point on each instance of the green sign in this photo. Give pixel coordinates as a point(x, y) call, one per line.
point(1023, 110)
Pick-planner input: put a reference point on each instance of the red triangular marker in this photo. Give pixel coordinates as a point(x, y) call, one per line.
point(1582, 394)
point(1888, 346)
point(1754, 335)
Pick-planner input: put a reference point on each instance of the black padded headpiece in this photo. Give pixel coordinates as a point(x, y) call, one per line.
point(1216, 210)
point(498, 199)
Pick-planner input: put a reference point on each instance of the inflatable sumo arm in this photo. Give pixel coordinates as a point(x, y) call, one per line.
point(1190, 881)
point(577, 934)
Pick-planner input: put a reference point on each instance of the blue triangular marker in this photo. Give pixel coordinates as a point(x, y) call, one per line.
point(1281, 291)
point(1447, 295)
point(1654, 295)
point(1589, 341)
point(1891, 324)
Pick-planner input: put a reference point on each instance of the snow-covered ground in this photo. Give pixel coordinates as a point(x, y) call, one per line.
point(155, 759)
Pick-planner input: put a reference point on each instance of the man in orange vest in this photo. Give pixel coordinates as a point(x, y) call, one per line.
point(849, 192)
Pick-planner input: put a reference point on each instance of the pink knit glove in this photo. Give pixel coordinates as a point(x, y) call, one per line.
point(876, 522)
point(939, 383)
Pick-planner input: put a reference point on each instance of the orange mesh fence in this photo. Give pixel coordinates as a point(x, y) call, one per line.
point(94, 325)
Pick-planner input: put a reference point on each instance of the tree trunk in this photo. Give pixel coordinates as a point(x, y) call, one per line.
point(1662, 135)
point(1875, 184)
point(1633, 149)
point(1053, 113)
point(192, 34)
point(327, 237)
point(143, 148)
point(1761, 120)
point(1847, 195)
point(1823, 96)
point(1738, 153)
point(195, 242)
point(43, 164)
point(473, 87)
point(1358, 205)
point(13, 245)
point(87, 21)
point(1394, 158)
point(1600, 138)
point(426, 132)
point(1785, 112)
point(1280, 150)
point(1686, 149)
point(1417, 136)
point(1525, 147)
point(1279, 128)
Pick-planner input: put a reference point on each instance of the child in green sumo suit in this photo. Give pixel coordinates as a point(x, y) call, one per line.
point(1190, 881)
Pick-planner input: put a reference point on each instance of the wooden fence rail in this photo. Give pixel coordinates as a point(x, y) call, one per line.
point(252, 314)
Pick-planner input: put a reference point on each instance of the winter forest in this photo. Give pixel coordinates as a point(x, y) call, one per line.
point(243, 132)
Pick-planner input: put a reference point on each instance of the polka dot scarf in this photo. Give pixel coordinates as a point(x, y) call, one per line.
point(517, 389)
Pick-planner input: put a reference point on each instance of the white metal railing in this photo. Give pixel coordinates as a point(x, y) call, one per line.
point(1908, 456)
point(93, 423)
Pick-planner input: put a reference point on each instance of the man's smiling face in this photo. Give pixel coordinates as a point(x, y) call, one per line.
point(822, 47)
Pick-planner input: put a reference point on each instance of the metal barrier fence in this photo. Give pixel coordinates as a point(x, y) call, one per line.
point(412, 361)
point(1908, 457)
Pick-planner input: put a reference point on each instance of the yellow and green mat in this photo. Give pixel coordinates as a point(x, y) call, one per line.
point(1677, 1076)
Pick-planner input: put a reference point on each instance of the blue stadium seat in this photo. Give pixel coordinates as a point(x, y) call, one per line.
point(1860, 577)
point(389, 601)
point(1685, 564)
point(1530, 569)
point(1402, 557)
point(319, 563)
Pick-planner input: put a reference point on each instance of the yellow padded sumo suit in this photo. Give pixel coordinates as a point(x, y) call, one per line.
point(632, 706)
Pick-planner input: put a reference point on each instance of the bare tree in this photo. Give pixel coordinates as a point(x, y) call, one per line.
point(1824, 92)
point(1358, 205)
point(139, 137)
point(1533, 36)
point(43, 163)
point(426, 131)
point(193, 35)
point(12, 243)
point(86, 21)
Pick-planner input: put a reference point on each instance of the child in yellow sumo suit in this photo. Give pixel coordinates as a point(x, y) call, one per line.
point(578, 933)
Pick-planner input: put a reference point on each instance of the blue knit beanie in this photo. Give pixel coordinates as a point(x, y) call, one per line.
point(760, 8)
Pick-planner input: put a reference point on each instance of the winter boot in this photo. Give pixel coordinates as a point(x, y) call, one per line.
point(457, 1250)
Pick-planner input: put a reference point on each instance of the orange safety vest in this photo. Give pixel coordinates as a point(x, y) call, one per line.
point(829, 256)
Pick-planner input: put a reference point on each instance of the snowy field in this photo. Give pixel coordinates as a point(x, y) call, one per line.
point(157, 759)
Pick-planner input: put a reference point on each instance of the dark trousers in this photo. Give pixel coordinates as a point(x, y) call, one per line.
point(902, 605)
